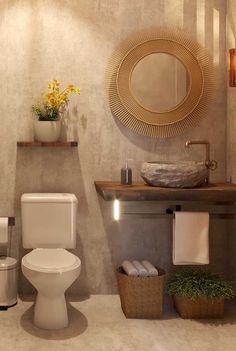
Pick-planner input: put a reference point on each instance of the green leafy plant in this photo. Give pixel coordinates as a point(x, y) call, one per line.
point(198, 283)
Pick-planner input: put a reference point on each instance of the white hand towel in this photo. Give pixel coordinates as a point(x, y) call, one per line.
point(142, 272)
point(152, 271)
point(129, 268)
point(191, 238)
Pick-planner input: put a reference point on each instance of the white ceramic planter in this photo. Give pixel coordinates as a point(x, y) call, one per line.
point(47, 131)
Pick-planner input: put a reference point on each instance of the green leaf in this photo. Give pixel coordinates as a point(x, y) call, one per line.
point(198, 282)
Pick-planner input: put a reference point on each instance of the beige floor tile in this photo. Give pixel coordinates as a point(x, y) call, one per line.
point(98, 324)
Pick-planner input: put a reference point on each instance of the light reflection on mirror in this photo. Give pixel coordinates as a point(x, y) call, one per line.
point(159, 82)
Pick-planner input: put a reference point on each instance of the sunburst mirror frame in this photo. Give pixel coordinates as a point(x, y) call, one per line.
point(194, 106)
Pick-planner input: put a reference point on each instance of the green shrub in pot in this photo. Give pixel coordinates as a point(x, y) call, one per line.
point(198, 293)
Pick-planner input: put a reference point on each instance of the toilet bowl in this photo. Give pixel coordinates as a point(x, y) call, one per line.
point(48, 229)
point(51, 272)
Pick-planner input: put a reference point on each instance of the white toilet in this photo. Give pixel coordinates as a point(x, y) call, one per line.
point(49, 227)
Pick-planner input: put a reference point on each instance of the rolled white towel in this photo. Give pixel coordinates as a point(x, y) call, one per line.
point(152, 271)
point(129, 268)
point(142, 272)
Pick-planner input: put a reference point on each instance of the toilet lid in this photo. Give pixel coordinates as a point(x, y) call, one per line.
point(51, 260)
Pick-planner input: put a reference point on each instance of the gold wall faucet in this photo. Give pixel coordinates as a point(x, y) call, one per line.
point(210, 164)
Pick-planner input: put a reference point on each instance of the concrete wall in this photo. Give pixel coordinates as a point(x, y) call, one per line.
point(231, 134)
point(72, 40)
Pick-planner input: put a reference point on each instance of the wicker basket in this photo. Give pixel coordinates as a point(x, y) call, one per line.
point(141, 297)
point(199, 308)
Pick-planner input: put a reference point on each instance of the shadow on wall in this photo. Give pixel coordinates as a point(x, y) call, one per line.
point(52, 170)
point(231, 16)
point(150, 238)
point(135, 238)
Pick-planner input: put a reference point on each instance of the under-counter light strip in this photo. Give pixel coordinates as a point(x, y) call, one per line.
point(116, 210)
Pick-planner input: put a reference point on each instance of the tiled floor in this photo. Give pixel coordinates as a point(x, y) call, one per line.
point(98, 324)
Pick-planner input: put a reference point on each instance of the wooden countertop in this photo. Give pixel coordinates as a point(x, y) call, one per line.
point(216, 192)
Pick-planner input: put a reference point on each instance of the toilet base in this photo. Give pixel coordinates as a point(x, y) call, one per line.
point(50, 313)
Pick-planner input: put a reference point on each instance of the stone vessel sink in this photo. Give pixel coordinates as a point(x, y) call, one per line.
point(185, 174)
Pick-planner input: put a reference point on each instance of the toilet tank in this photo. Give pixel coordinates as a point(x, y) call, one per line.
point(49, 220)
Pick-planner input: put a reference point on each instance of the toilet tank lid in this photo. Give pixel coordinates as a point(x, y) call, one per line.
point(49, 197)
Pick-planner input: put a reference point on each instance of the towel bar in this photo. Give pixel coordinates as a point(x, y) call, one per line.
point(171, 215)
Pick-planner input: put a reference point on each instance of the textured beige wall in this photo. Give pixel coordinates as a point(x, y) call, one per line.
point(231, 134)
point(231, 96)
point(72, 40)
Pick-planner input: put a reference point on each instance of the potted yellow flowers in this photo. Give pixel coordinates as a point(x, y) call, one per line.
point(47, 127)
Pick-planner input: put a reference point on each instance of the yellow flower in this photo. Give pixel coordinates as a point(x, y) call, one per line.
point(57, 82)
point(55, 99)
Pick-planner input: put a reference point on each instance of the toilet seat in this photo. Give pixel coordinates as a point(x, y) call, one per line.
point(51, 260)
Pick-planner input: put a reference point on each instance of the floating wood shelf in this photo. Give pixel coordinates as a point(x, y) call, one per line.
point(43, 144)
point(218, 192)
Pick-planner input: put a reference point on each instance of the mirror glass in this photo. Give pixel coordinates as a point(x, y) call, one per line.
point(159, 82)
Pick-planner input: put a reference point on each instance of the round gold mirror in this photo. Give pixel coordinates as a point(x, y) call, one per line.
point(160, 82)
